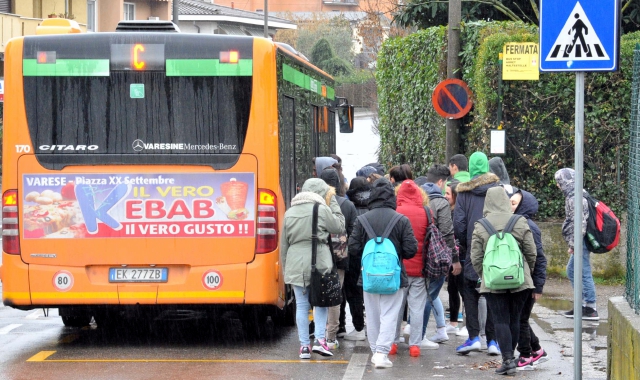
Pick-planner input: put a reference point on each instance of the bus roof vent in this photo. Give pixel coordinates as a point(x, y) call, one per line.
point(147, 26)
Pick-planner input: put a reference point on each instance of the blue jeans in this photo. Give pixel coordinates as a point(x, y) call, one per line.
point(433, 299)
point(588, 286)
point(302, 316)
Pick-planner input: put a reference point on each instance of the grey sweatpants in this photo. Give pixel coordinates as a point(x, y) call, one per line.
point(382, 317)
point(416, 298)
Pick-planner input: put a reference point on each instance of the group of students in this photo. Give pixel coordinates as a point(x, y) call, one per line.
point(454, 198)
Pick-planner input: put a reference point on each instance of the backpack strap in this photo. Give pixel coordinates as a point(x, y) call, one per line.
point(488, 226)
point(340, 200)
point(367, 227)
point(392, 223)
point(314, 235)
point(429, 219)
point(511, 223)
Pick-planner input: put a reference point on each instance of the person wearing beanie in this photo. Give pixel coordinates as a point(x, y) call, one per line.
point(366, 171)
point(469, 209)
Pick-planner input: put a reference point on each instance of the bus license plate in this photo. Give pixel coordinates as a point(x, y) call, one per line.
point(138, 274)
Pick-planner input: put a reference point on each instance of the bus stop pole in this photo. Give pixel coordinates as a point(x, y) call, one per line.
point(577, 229)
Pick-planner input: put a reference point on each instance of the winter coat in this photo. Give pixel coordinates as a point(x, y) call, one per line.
point(566, 178)
point(331, 177)
point(410, 204)
point(497, 209)
point(442, 213)
point(323, 162)
point(360, 199)
point(528, 207)
point(382, 205)
point(295, 241)
point(469, 207)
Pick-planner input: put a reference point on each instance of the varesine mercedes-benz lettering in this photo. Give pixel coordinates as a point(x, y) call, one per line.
point(68, 147)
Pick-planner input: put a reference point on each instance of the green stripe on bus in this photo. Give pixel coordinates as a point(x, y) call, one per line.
point(66, 68)
point(208, 68)
point(302, 80)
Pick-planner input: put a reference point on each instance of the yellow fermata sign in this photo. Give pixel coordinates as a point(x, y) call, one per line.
point(520, 61)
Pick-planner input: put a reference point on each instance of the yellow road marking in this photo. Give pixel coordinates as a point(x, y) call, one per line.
point(43, 355)
point(68, 338)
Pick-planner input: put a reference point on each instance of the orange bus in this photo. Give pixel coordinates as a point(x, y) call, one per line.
point(154, 169)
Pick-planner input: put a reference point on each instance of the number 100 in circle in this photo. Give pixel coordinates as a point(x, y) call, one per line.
point(212, 279)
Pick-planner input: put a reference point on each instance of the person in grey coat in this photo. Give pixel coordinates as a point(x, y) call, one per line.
point(295, 251)
point(383, 309)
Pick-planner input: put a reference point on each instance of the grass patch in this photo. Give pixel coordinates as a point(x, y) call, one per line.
point(617, 281)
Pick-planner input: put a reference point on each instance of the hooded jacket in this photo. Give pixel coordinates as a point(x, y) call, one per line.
point(295, 238)
point(323, 162)
point(442, 214)
point(497, 167)
point(528, 207)
point(410, 204)
point(470, 205)
point(382, 205)
point(360, 198)
point(497, 209)
point(462, 176)
point(331, 177)
point(566, 178)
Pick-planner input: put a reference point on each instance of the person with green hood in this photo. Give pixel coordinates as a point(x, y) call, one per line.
point(468, 210)
point(295, 251)
point(505, 305)
point(458, 166)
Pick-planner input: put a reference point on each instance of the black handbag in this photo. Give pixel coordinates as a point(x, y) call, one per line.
point(325, 289)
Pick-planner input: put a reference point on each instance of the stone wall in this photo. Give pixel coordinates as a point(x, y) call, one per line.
point(608, 265)
point(623, 351)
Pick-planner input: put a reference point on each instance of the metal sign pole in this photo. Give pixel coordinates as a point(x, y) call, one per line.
point(577, 229)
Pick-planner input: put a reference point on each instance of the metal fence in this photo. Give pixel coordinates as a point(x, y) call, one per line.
point(633, 215)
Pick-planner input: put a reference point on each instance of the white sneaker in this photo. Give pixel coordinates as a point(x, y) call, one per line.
point(381, 360)
point(356, 335)
point(429, 345)
point(483, 342)
point(441, 336)
point(333, 344)
point(451, 329)
point(463, 332)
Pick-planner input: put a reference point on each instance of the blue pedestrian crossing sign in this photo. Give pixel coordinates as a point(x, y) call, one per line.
point(579, 35)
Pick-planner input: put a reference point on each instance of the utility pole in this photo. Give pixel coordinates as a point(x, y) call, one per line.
point(266, 18)
point(453, 71)
point(175, 12)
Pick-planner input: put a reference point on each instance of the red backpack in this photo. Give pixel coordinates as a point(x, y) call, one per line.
point(603, 227)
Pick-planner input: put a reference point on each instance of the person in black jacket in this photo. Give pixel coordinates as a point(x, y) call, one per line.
point(332, 177)
point(525, 204)
point(469, 209)
point(383, 309)
point(359, 193)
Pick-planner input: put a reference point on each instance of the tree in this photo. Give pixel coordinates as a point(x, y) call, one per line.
point(323, 56)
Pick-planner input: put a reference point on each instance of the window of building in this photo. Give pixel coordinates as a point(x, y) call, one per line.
point(91, 16)
point(129, 11)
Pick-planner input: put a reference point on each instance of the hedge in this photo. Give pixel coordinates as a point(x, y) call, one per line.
point(538, 116)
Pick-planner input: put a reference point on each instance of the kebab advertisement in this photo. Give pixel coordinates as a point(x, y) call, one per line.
point(144, 205)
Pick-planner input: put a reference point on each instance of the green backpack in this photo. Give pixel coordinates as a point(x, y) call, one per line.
point(503, 265)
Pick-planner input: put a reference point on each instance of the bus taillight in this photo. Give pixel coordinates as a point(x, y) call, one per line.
point(267, 229)
point(10, 231)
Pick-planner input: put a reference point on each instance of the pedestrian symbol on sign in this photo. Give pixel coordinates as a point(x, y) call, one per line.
point(577, 41)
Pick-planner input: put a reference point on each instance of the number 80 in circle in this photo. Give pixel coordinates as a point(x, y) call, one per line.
point(212, 279)
point(63, 280)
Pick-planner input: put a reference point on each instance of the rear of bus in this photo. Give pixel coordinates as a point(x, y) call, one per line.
point(140, 168)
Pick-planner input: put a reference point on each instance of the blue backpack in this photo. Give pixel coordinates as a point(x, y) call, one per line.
point(380, 261)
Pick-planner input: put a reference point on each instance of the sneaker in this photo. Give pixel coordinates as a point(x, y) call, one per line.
point(322, 348)
point(525, 364)
point(407, 330)
point(463, 332)
point(356, 335)
point(333, 344)
point(305, 352)
point(539, 356)
point(483, 342)
point(468, 346)
point(414, 351)
point(381, 360)
point(394, 349)
point(429, 345)
point(589, 314)
point(508, 367)
point(440, 337)
point(452, 329)
point(568, 314)
point(341, 332)
point(493, 348)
